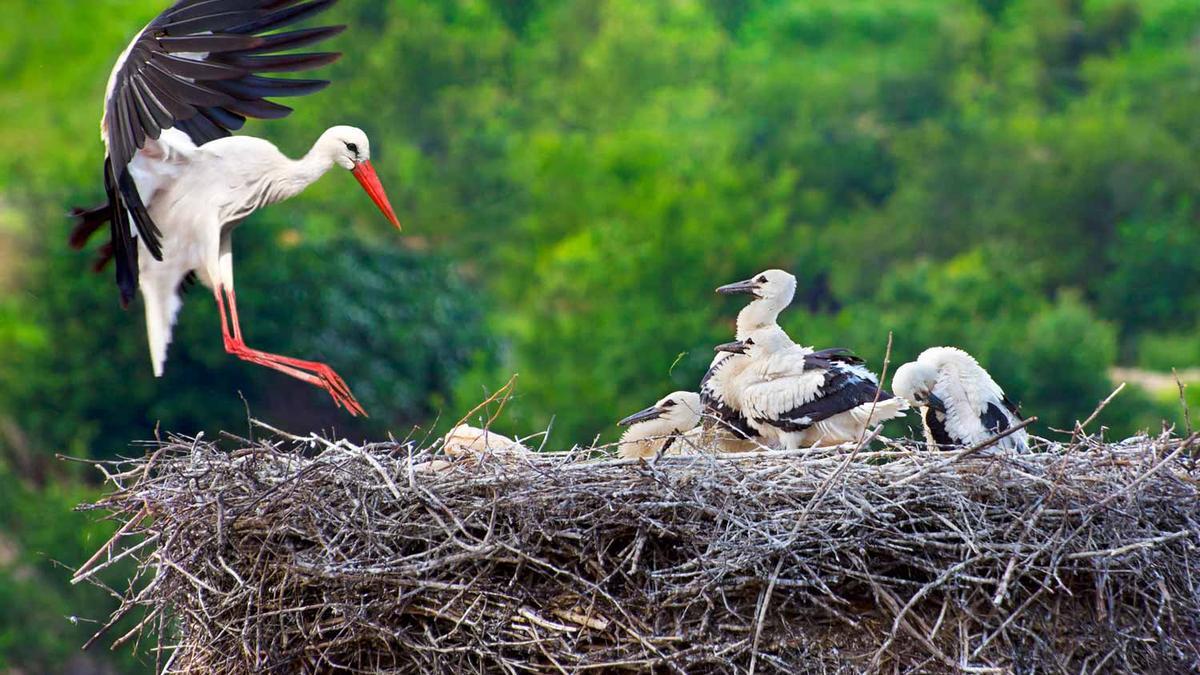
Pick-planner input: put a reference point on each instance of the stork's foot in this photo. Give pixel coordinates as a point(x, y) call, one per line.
point(337, 388)
point(313, 372)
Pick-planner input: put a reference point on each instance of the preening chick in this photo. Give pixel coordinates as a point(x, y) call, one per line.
point(961, 403)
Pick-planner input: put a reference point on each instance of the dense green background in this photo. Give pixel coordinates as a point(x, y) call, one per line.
point(1017, 177)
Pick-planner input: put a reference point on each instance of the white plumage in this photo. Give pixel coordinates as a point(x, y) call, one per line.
point(962, 404)
point(465, 440)
point(178, 183)
point(799, 397)
point(671, 425)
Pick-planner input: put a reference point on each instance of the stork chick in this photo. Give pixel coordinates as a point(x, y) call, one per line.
point(661, 427)
point(465, 440)
point(798, 397)
point(773, 291)
point(961, 403)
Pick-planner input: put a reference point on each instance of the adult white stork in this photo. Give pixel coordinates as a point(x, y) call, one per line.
point(178, 183)
point(961, 403)
point(773, 291)
point(660, 428)
point(798, 397)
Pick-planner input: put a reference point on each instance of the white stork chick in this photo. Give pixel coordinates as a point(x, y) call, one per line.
point(798, 397)
point(773, 291)
point(465, 440)
point(962, 404)
point(661, 428)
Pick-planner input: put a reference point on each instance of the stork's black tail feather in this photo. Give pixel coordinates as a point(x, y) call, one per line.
point(87, 222)
point(104, 255)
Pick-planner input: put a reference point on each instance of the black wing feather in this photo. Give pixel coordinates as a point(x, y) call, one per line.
point(252, 87)
point(195, 68)
point(283, 17)
point(293, 39)
point(224, 118)
point(124, 249)
point(213, 44)
point(825, 358)
point(1013, 408)
point(994, 419)
point(201, 70)
point(936, 421)
point(282, 63)
point(210, 22)
point(260, 109)
point(843, 390)
point(196, 8)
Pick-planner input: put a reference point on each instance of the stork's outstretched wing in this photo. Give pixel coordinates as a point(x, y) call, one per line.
point(197, 68)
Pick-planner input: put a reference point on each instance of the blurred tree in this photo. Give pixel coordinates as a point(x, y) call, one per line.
point(1155, 278)
point(1065, 358)
point(41, 539)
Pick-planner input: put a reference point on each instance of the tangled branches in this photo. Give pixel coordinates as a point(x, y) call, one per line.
point(317, 556)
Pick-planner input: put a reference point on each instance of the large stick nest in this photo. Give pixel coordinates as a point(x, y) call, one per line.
point(308, 555)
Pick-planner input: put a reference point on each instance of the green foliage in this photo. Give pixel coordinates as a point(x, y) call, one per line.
point(40, 538)
point(1066, 354)
point(1155, 278)
point(1166, 351)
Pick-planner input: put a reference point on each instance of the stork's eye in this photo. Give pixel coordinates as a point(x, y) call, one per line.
point(762, 279)
point(748, 341)
point(352, 148)
point(668, 403)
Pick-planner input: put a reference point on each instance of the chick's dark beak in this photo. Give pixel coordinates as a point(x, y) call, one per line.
point(651, 413)
point(936, 403)
point(735, 347)
point(747, 287)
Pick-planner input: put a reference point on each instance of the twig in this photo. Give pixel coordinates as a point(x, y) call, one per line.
point(962, 454)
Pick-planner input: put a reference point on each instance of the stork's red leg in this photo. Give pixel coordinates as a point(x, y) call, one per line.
point(312, 372)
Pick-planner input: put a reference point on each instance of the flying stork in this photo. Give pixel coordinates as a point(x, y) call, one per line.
point(178, 182)
point(798, 397)
point(962, 404)
point(659, 428)
point(772, 291)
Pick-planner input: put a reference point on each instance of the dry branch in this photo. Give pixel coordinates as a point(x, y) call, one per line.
point(309, 555)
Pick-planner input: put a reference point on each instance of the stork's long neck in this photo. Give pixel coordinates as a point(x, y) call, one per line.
point(757, 314)
point(295, 175)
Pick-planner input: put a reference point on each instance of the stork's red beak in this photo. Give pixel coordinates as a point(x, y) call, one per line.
point(365, 173)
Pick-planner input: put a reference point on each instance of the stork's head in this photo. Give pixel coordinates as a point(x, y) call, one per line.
point(772, 286)
point(675, 413)
point(914, 382)
point(759, 343)
point(350, 149)
point(772, 290)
